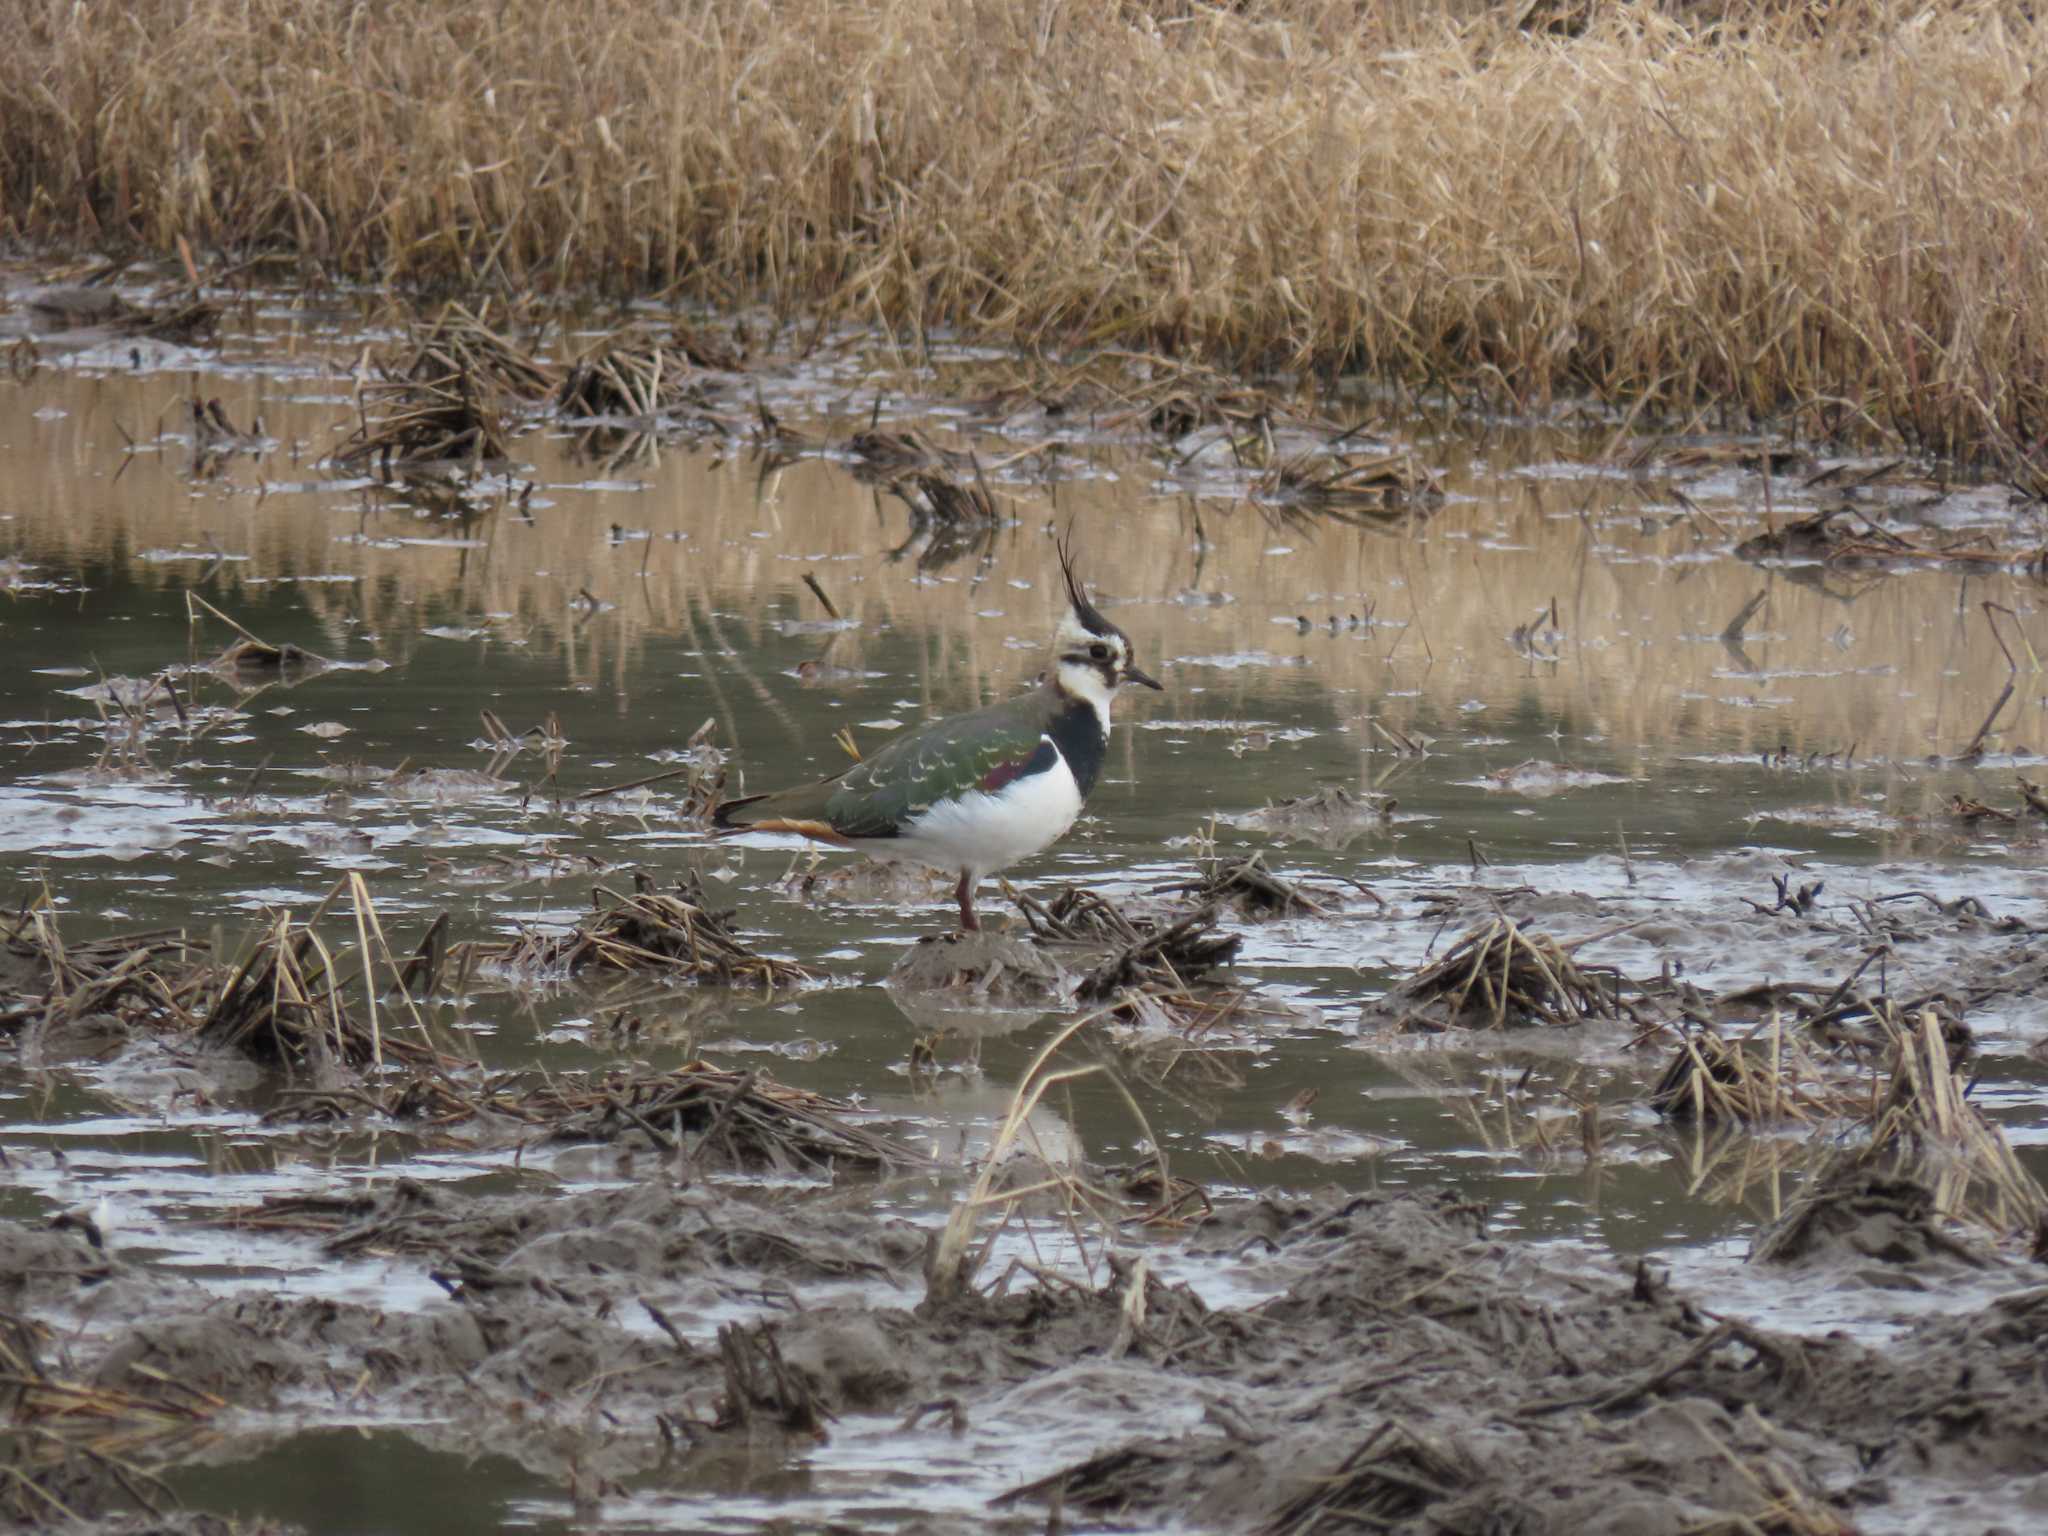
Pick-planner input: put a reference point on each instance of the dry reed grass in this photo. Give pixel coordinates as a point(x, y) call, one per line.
point(1834, 222)
point(135, 978)
point(285, 1002)
point(1898, 1138)
point(444, 398)
point(625, 378)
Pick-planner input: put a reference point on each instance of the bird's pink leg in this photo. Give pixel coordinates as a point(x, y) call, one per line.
point(965, 893)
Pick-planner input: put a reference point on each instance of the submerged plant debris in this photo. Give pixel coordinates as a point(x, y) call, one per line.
point(129, 981)
point(1356, 485)
point(709, 1118)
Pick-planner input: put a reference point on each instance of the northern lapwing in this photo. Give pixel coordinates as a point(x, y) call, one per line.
point(975, 793)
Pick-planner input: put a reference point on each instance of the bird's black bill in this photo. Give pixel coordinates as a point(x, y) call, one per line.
point(1133, 675)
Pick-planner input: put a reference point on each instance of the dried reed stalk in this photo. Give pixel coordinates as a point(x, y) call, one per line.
point(953, 1261)
point(157, 978)
point(631, 379)
point(444, 400)
point(62, 1433)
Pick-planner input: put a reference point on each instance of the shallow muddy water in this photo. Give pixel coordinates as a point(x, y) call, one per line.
point(1600, 750)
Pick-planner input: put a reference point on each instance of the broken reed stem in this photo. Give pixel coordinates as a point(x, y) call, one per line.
point(361, 898)
point(194, 600)
point(951, 1267)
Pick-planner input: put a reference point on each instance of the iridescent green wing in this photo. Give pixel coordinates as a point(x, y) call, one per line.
point(985, 750)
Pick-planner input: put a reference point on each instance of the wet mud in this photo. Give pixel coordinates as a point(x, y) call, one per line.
point(1406, 1365)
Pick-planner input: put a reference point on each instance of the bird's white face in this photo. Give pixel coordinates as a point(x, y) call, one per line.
point(1093, 655)
point(1091, 666)
point(1094, 660)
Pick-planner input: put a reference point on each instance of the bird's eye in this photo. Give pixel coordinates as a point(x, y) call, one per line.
point(1098, 652)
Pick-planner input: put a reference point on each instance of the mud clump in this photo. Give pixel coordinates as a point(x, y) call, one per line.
point(991, 969)
point(1161, 970)
point(1331, 818)
point(1855, 1212)
point(1421, 1375)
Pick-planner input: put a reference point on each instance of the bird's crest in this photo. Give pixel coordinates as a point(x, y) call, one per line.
point(1085, 612)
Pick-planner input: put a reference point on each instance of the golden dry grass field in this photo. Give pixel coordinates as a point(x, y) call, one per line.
point(1828, 220)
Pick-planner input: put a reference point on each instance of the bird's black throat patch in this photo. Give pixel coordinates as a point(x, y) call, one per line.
point(1077, 732)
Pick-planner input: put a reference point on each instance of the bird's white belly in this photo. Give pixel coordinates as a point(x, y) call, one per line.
point(987, 832)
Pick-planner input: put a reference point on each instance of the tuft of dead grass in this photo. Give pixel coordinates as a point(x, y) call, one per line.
point(1161, 972)
point(674, 934)
point(289, 998)
point(443, 400)
point(1831, 220)
point(1925, 1122)
point(135, 978)
point(635, 379)
point(1769, 1077)
point(1501, 975)
point(285, 1003)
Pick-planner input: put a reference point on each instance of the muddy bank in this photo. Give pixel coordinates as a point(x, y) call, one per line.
point(1408, 1367)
